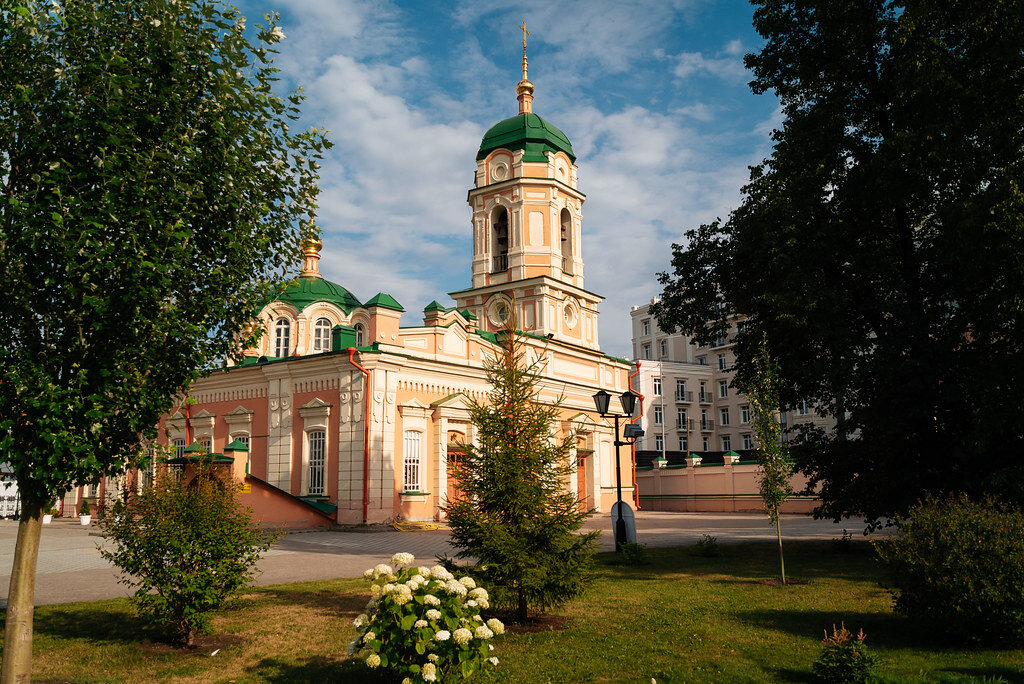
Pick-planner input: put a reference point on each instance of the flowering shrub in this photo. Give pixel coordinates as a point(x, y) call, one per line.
point(844, 658)
point(425, 623)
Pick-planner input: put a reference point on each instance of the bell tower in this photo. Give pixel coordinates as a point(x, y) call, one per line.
point(527, 218)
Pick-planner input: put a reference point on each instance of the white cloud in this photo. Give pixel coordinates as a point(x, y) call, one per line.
point(730, 67)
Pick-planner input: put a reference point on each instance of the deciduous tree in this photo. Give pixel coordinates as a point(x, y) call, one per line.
point(879, 247)
point(150, 190)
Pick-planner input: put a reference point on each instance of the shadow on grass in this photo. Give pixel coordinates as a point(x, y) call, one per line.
point(339, 604)
point(94, 624)
point(1008, 674)
point(319, 669)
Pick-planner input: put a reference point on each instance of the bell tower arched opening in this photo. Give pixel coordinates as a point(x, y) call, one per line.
point(499, 240)
point(565, 226)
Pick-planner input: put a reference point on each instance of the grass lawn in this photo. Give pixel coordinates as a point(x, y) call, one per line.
point(682, 618)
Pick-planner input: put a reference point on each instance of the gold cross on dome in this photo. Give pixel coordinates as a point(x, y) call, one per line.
point(525, 33)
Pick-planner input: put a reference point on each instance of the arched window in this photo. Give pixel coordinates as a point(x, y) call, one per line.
point(411, 461)
point(499, 245)
point(322, 335)
point(360, 335)
point(317, 461)
point(282, 337)
point(565, 221)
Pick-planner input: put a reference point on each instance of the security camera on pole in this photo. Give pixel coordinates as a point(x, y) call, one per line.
point(623, 520)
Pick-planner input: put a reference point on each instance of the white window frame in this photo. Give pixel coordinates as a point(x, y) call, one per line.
point(722, 365)
point(322, 335)
point(659, 443)
point(726, 443)
point(646, 327)
point(802, 409)
point(723, 415)
point(647, 352)
point(681, 417)
point(360, 334)
point(412, 461)
point(657, 387)
point(178, 446)
point(748, 441)
point(282, 337)
point(316, 464)
point(663, 348)
point(707, 444)
point(684, 443)
point(723, 389)
point(315, 418)
point(659, 417)
point(680, 389)
point(744, 415)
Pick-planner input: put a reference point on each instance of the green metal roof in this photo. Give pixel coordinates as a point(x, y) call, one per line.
point(433, 306)
point(527, 132)
point(384, 301)
point(236, 446)
point(306, 290)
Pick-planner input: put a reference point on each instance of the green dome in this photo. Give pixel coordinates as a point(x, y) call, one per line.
point(527, 132)
point(306, 290)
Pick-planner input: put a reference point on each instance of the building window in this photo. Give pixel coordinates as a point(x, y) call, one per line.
point(206, 443)
point(317, 461)
point(681, 390)
point(719, 341)
point(726, 443)
point(647, 351)
point(647, 327)
point(658, 417)
point(702, 360)
point(178, 446)
point(681, 418)
point(740, 327)
point(721, 362)
point(657, 387)
point(659, 443)
point(707, 444)
point(322, 335)
point(801, 408)
point(744, 415)
point(360, 334)
point(723, 416)
point(704, 396)
point(723, 388)
point(748, 442)
point(705, 423)
point(243, 439)
point(683, 446)
point(282, 337)
point(663, 348)
point(411, 461)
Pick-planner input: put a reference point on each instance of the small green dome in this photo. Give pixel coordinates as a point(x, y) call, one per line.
point(306, 290)
point(527, 132)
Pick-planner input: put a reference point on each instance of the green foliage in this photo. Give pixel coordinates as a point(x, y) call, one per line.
point(843, 544)
point(425, 624)
point(844, 658)
point(186, 545)
point(706, 546)
point(879, 248)
point(83, 509)
point(152, 191)
point(634, 554)
point(957, 565)
point(775, 469)
point(515, 515)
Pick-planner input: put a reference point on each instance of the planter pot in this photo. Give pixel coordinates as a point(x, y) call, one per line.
point(47, 518)
point(85, 519)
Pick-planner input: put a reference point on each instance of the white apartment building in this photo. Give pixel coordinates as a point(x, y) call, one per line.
point(690, 404)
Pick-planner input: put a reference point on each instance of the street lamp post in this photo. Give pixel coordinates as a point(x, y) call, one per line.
point(632, 433)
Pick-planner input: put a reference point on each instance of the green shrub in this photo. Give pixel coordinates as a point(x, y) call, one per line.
point(707, 546)
point(844, 658)
point(843, 544)
point(187, 545)
point(83, 509)
point(634, 554)
point(424, 624)
point(957, 565)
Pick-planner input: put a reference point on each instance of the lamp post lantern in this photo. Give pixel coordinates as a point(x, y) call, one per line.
point(633, 432)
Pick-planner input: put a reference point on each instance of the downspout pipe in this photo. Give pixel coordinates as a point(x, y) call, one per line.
point(632, 448)
point(366, 433)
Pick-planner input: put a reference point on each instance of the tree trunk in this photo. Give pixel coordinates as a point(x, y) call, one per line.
point(521, 608)
point(778, 531)
point(17, 664)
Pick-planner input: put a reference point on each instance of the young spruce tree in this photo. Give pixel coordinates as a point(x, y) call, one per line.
point(515, 513)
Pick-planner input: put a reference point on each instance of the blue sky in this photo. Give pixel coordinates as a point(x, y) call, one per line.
point(652, 94)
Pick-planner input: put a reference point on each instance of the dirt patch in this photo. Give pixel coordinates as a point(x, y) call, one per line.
point(776, 582)
point(541, 623)
point(205, 644)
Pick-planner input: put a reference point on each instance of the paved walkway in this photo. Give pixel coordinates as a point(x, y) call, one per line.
point(71, 569)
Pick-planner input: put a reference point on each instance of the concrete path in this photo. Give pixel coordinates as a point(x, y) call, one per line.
point(71, 569)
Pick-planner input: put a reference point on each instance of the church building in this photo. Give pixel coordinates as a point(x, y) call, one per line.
point(345, 413)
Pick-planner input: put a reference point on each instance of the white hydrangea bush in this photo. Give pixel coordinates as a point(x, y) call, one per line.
point(425, 623)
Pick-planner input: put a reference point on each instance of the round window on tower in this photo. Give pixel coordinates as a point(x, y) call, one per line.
point(499, 171)
point(570, 314)
point(499, 311)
